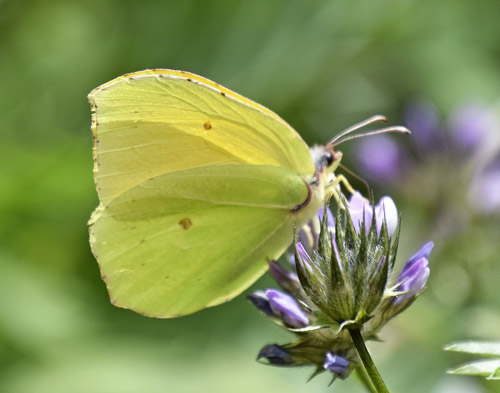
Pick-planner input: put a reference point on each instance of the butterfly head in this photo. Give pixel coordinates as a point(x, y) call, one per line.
point(325, 158)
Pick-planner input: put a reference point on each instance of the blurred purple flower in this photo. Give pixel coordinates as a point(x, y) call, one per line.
point(471, 124)
point(414, 274)
point(277, 304)
point(422, 119)
point(484, 192)
point(336, 364)
point(385, 209)
point(380, 158)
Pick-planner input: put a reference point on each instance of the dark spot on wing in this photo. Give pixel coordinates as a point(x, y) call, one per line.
point(185, 223)
point(207, 125)
point(189, 79)
point(223, 94)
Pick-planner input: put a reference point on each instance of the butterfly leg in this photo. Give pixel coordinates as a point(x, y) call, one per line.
point(334, 190)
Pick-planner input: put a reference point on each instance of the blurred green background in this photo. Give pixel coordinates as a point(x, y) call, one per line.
point(322, 66)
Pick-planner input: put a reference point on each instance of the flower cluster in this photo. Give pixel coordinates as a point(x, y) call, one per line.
point(464, 145)
point(340, 281)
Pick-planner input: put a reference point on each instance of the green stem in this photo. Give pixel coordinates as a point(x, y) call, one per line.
point(365, 379)
point(372, 371)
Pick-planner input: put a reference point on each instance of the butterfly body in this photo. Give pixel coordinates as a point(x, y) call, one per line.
point(199, 188)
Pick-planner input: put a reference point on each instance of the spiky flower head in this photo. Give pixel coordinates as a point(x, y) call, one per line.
point(340, 282)
point(347, 276)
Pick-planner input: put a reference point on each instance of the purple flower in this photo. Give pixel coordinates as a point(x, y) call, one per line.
point(285, 278)
point(379, 158)
point(275, 354)
point(484, 192)
point(287, 308)
point(303, 257)
point(422, 119)
point(260, 300)
point(336, 364)
point(414, 275)
point(385, 210)
point(471, 124)
point(277, 304)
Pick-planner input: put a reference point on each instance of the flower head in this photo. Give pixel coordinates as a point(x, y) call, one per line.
point(340, 282)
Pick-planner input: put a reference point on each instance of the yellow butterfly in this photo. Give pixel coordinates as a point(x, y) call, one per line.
point(199, 187)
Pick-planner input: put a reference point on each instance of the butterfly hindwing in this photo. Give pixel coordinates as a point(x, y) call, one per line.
point(194, 238)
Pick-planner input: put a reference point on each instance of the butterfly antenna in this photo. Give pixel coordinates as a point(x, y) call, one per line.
point(355, 175)
point(341, 138)
point(398, 129)
point(357, 126)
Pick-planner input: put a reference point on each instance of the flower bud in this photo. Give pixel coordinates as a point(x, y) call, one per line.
point(279, 305)
point(414, 274)
point(409, 285)
point(274, 354)
point(287, 308)
point(336, 364)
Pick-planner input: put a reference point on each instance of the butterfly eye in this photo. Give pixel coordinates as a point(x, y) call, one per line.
point(328, 158)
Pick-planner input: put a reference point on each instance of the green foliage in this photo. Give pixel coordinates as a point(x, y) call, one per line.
point(489, 368)
point(322, 66)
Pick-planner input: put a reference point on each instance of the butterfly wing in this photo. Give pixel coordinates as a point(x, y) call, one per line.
point(194, 238)
point(169, 237)
point(154, 122)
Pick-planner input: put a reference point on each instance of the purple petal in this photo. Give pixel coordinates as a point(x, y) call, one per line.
point(304, 258)
point(275, 354)
point(358, 205)
point(260, 300)
point(309, 234)
point(287, 308)
point(424, 252)
point(282, 276)
point(414, 278)
point(330, 219)
point(415, 274)
point(335, 364)
point(386, 210)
